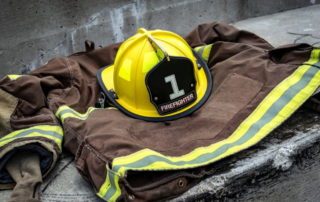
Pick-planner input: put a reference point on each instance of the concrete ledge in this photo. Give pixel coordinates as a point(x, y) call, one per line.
point(34, 31)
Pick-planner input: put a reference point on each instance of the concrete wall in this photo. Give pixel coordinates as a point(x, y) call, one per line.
point(34, 31)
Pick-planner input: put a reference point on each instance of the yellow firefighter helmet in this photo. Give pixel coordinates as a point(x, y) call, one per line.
point(156, 76)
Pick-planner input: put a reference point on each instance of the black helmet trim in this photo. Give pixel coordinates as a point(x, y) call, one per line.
point(111, 97)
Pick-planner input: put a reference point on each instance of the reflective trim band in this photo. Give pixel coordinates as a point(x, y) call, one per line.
point(14, 76)
point(197, 49)
point(66, 112)
point(276, 107)
point(54, 133)
point(110, 190)
point(204, 51)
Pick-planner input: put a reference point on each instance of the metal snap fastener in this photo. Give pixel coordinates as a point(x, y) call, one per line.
point(181, 183)
point(131, 197)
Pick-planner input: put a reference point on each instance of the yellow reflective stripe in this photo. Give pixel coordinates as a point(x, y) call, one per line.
point(284, 113)
point(105, 186)
point(54, 133)
point(197, 48)
point(111, 181)
point(14, 76)
point(204, 51)
point(276, 93)
point(281, 103)
point(66, 112)
point(115, 196)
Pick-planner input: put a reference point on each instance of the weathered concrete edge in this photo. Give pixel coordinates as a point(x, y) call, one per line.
point(279, 156)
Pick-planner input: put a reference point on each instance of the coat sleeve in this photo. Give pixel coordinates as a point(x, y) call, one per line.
point(27, 121)
point(213, 32)
point(29, 104)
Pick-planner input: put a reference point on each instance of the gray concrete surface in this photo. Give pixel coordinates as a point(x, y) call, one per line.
point(283, 167)
point(34, 31)
point(297, 26)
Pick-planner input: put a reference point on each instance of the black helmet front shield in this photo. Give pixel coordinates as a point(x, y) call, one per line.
point(171, 84)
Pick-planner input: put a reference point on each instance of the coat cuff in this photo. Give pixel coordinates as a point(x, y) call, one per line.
point(46, 140)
